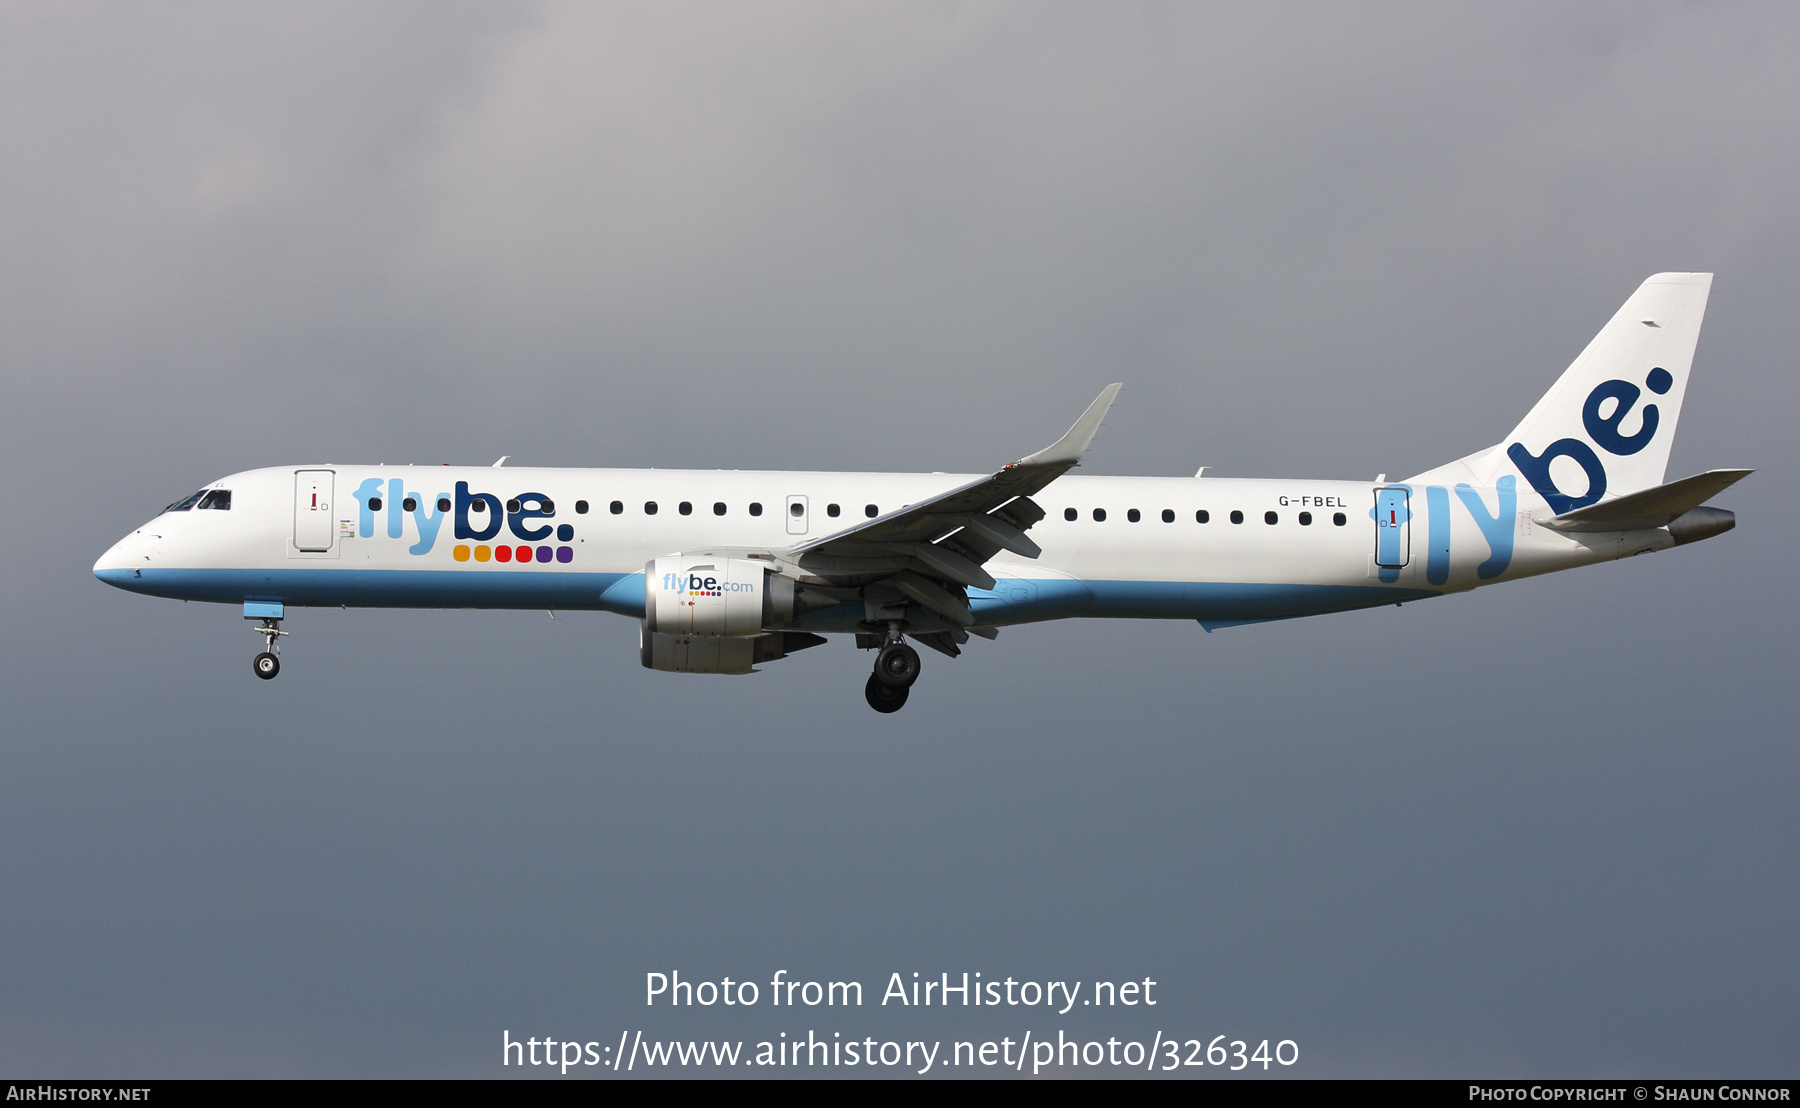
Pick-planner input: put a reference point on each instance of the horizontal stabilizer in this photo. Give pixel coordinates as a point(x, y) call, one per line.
point(1655, 507)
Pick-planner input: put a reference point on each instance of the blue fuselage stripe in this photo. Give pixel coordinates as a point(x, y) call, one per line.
point(1011, 600)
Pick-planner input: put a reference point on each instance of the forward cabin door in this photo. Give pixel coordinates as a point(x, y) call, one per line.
point(312, 509)
point(1393, 527)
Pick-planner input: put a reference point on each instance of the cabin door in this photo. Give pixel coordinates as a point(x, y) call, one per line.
point(1393, 527)
point(312, 509)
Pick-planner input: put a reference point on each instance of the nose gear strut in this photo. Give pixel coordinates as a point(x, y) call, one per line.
point(267, 664)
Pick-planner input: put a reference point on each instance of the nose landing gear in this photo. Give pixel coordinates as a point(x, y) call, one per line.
point(268, 663)
point(896, 668)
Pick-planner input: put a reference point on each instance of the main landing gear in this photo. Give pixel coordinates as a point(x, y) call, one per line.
point(268, 663)
point(896, 668)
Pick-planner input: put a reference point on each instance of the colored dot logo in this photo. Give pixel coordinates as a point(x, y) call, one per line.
point(543, 555)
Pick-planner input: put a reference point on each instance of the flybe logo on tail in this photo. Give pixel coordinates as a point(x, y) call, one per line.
point(1603, 429)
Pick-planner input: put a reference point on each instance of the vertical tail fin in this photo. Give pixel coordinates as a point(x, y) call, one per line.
point(1605, 428)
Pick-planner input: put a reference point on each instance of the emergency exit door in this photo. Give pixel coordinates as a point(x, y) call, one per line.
point(312, 509)
point(796, 515)
point(1393, 527)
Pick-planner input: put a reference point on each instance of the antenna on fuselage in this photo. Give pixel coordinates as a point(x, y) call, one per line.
point(502, 460)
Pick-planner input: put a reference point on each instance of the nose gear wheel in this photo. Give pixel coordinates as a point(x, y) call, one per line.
point(268, 663)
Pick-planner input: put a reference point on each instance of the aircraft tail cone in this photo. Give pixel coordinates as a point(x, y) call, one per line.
point(1701, 523)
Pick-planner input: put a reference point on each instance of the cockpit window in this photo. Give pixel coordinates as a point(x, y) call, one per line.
point(218, 498)
point(185, 502)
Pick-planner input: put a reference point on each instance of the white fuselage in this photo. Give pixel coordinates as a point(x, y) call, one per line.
point(729, 569)
point(413, 536)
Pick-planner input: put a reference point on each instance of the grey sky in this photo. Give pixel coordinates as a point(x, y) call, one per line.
point(1545, 829)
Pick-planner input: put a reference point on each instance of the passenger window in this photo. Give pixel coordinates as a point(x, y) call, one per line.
point(871, 510)
point(649, 507)
point(832, 510)
point(548, 507)
point(1271, 518)
point(686, 508)
point(410, 504)
point(1338, 519)
point(1168, 515)
point(1134, 515)
point(511, 506)
point(1070, 514)
point(755, 508)
point(581, 507)
point(219, 499)
point(1237, 517)
point(1099, 515)
point(443, 503)
point(375, 503)
point(616, 508)
point(719, 508)
point(479, 504)
point(1306, 519)
point(796, 509)
point(1202, 516)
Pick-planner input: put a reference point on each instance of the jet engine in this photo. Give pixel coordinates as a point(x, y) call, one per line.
point(706, 614)
point(688, 594)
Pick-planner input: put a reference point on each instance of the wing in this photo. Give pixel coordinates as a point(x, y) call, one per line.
point(930, 553)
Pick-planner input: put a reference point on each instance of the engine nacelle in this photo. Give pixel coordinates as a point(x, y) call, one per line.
point(706, 614)
point(718, 653)
point(695, 653)
point(689, 594)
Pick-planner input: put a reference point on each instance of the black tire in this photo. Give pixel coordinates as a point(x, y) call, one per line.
point(265, 665)
point(883, 699)
point(897, 666)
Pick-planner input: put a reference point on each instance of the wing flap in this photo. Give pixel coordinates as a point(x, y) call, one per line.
point(933, 597)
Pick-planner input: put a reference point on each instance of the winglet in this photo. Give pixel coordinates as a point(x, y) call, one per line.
point(1068, 450)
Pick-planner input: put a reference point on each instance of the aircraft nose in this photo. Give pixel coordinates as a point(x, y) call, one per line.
point(120, 566)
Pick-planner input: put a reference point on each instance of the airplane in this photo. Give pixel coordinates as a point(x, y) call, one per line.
point(728, 570)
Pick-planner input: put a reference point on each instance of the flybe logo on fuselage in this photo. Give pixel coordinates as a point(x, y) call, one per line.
point(479, 516)
point(1604, 430)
